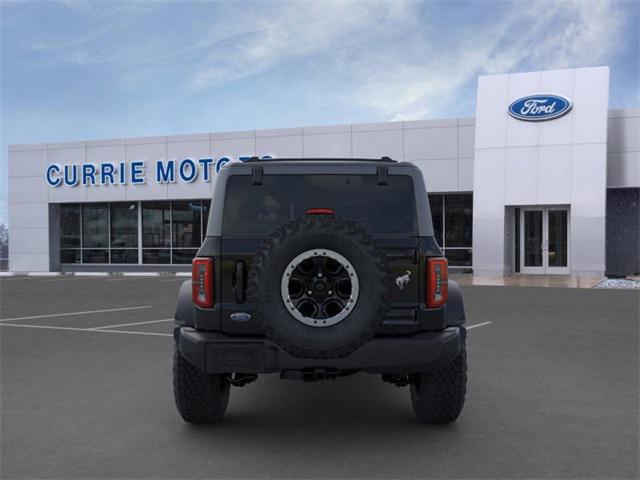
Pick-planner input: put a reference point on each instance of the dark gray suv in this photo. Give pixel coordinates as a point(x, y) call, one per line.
point(317, 269)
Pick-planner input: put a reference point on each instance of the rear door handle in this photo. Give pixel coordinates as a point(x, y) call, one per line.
point(239, 281)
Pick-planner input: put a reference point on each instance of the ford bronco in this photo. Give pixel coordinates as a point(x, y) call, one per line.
point(318, 269)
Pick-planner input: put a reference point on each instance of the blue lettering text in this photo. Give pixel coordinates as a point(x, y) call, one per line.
point(192, 170)
point(137, 172)
point(106, 173)
point(51, 180)
point(165, 174)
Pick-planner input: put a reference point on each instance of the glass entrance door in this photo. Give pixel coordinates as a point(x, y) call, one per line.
point(533, 241)
point(544, 242)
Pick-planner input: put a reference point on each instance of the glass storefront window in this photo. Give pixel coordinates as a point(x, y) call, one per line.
point(458, 214)
point(90, 255)
point(95, 225)
point(156, 255)
point(205, 216)
point(127, 255)
point(435, 205)
point(186, 218)
point(172, 232)
point(124, 225)
point(452, 216)
point(68, 255)
point(156, 224)
point(69, 226)
point(458, 257)
point(183, 255)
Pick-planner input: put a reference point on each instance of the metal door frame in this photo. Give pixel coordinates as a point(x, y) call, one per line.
point(545, 269)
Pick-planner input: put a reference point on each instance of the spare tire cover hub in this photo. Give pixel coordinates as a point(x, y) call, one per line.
point(319, 287)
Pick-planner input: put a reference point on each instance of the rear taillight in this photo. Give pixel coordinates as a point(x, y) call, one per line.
point(437, 282)
point(202, 282)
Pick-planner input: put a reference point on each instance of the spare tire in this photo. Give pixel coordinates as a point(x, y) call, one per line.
point(319, 287)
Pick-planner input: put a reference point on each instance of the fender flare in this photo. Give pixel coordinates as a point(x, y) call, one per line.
point(455, 315)
point(184, 306)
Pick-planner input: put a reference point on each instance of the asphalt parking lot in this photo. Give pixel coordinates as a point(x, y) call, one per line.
point(86, 393)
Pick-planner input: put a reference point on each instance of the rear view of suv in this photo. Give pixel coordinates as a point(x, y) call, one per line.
point(317, 269)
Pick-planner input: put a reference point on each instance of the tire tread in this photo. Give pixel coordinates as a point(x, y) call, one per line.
point(438, 397)
point(325, 223)
point(200, 397)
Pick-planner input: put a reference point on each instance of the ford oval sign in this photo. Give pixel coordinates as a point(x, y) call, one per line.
point(536, 108)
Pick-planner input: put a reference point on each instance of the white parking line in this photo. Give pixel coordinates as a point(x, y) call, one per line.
point(132, 324)
point(75, 313)
point(49, 327)
point(23, 278)
point(478, 325)
point(68, 278)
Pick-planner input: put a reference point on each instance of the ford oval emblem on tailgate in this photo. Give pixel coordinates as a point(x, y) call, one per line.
point(240, 317)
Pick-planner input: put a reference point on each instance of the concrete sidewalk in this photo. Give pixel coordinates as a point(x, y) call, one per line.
point(522, 280)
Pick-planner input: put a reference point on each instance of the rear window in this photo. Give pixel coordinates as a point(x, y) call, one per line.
point(260, 209)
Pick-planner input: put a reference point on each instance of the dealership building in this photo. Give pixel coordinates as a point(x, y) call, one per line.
point(545, 179)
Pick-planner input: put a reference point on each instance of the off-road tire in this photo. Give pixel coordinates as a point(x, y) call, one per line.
point(200, 397)
point(300, 235)
point(438, 397)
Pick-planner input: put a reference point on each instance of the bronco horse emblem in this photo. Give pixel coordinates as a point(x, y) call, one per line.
point(402, 280)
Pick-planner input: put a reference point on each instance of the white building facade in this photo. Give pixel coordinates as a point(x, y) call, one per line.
point(545, 179)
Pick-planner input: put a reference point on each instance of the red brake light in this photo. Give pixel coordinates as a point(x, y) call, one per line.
point(202, 282)
point(321, 211)
point(437, 282)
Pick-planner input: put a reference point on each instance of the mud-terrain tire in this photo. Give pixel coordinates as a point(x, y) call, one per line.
point(200, 397)
point(303, 235)
point(438, 397)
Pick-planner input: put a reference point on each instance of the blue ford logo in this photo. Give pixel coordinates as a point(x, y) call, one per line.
point(536, 108)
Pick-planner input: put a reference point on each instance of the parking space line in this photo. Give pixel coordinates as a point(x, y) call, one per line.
point(75, 329)
point(74, 278)
point(74, 313)
point(132, 324)
point(478, 325)
point(125, 279)
point(19, 279)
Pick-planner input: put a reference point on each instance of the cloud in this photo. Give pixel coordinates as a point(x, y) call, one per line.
point(393, 58)
point(293, 31)
point(526, 36)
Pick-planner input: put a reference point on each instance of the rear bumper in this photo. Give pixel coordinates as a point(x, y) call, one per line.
point(214, 352)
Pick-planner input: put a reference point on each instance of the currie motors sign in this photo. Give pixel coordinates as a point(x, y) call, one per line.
point(135, 172)
point(540, 107)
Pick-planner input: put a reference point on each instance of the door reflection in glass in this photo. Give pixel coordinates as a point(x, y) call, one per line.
point(558, 238)
point(533, 238)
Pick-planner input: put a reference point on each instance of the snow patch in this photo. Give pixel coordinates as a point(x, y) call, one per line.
point(624, 283)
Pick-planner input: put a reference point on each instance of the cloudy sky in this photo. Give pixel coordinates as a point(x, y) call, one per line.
point(74, 70)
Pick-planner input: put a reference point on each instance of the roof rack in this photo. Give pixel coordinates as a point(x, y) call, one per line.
point(381, 159)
